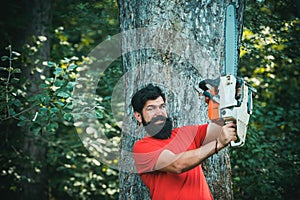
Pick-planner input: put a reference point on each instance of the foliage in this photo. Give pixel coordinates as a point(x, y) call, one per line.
point(268, 166)
point(72, 172)
point(81, 25)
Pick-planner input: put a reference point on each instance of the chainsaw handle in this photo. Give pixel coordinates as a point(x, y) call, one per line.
point(202, 85)
point(212, 82)
point(236, 144)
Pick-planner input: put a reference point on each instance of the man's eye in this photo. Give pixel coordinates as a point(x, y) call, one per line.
point(163, 107)
point(150, 108)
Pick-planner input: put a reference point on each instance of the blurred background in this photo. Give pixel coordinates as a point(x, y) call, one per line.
point(44, 45)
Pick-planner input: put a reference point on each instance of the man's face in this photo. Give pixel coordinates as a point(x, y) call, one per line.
point(154, 108)
point(155, 119)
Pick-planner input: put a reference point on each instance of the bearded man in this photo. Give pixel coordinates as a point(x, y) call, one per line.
point(169, 160)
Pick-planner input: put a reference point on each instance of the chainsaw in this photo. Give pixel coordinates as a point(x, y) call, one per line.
point(230, 97)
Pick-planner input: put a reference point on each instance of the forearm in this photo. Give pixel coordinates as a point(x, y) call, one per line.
point(191, 159)
point(213, 132)
point(187, 160)
point(178, 163)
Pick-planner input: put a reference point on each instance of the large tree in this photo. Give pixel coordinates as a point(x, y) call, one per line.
point(173, 44)
point(36, 20)
point(40, 13)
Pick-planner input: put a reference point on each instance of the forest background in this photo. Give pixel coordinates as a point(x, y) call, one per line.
point(45, 146)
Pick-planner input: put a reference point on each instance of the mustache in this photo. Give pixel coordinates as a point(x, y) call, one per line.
point(161, 130)
point(156, 119)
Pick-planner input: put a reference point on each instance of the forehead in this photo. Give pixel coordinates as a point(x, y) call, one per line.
point(155, 102)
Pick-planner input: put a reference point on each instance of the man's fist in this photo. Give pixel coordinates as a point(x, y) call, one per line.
point(228, 134)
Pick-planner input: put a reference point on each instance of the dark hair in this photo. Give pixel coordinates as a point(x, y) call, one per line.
point(140, 98)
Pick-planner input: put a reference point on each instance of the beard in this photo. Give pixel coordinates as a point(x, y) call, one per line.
point(159, 131)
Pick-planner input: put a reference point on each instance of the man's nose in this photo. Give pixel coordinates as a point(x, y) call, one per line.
point(158, 111)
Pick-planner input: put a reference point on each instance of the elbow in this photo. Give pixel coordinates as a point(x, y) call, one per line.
point(179, 168)
point(178, 171)
point(175, 167)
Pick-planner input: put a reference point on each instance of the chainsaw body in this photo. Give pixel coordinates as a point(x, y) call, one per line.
point(230, 100)
point(230, 97)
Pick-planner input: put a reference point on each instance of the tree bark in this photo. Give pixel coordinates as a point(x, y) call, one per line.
point(34, 146)
point(175, 45)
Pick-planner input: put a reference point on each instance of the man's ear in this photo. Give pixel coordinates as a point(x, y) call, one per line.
point(138, 116)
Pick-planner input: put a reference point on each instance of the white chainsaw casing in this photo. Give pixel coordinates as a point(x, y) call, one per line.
point(235, 109)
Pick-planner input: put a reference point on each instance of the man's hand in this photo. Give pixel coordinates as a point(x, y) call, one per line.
point(206, 99)
point(227, 135)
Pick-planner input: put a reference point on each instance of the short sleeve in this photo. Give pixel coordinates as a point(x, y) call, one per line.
point(201, 134)
point(146, 155)
point(147, 150)
point(188, 137)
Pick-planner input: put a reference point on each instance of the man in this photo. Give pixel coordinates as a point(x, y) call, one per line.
point(168, 160)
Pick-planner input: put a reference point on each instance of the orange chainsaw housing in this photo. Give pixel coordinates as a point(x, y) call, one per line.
point(213, 107)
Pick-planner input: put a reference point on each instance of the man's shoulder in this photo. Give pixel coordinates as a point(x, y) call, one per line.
point(141, 143)
point(149, 143)
point(190, 128)
point(147, 140)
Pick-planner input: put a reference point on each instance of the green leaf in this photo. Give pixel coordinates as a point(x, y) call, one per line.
point(3, 69)
point(15, 80)
point(3, 79)
point(60, 103)
point(16, 70)
point(68, 116)
point(52, 126)
point(16, 53)
point(72, 66)
point(59, 83)
point(21, 123)
point(44, 99)
point(63, 94)
point(89, 115)
point(58, 71)
point(66, 60)
point(17, 103)
point(43, 111)
point(51, 64)
point(36, 130)
point(44, 86)
point(12, 111)
point(23, 117)
point(99, 114)
point(71, 85)
point(54, 110)
point(69, 106)
point(4, 58)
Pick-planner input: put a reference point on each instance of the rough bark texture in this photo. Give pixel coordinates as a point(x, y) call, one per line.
point(177, 59)
point(34, 146)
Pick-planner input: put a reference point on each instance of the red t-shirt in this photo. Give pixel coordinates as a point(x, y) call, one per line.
point(190, 185)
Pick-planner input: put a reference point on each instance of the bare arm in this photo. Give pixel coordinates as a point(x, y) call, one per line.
point(213, 132)
point(178, 163)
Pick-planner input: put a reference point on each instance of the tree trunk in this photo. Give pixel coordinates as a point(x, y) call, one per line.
point(34, 146)
point(172, 44)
